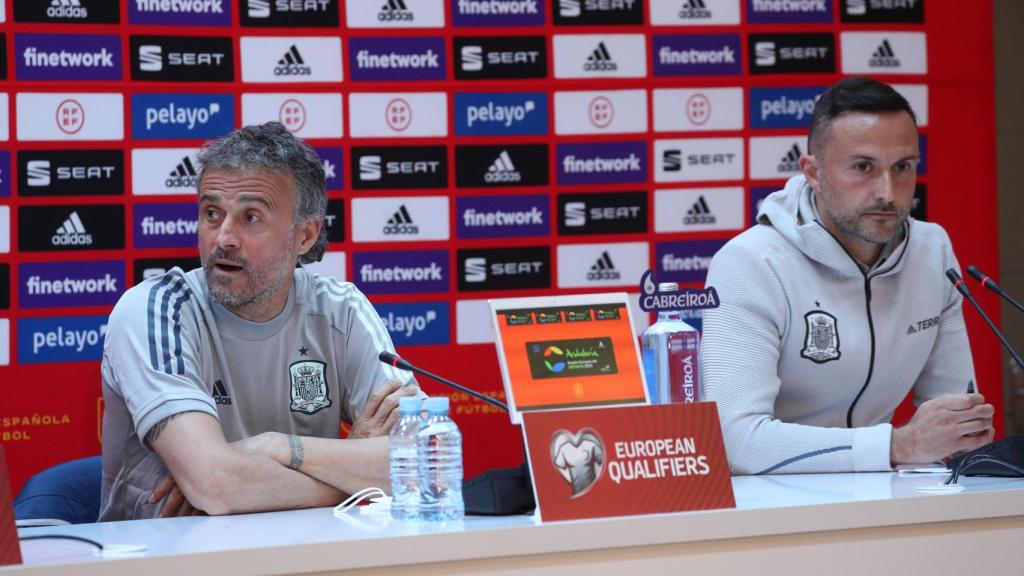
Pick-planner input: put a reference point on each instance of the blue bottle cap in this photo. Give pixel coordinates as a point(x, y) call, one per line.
point(436, 404)
point(409, 404)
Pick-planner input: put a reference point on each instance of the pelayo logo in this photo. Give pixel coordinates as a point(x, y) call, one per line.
point(61, 339)
point(782, 107)
point(494, 114)
point(416, 324)
point(182, 116)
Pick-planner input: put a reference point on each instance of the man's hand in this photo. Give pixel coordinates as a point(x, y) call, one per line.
point(943, 426)
point(176, 504)
point(381, 412)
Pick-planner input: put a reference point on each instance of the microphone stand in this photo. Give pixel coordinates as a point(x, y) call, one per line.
point(961, 287)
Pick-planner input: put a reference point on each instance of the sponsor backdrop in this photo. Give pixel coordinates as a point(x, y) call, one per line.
point(473, 148)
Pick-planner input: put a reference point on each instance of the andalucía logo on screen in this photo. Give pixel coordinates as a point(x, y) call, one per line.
point(180, 12)
point(166, 225)
point(401, 272)
point(67, 57)
point(416, 324)
point(394, 59)
point(58, 284)
point(502, 216)
point(602, 163)
point(199, 116)
point(61, 339)
point(496, 114)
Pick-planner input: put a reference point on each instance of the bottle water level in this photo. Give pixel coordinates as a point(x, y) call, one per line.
point(439, 446)
point(404, 484)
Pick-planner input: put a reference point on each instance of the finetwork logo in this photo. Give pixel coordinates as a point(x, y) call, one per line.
point(166, 225)
point(811, 53)
point(788, 11)
point(598, 12)
point(686, 261)
point(497, 13)
point(602, 163)
point(70, 172)
point(504, 268)
point(511, 165)
point(882, 11)
point(401, 272)
point(782, 107)
point(397, 59)
point(61, 339)
point(399, 167)
point(502, 216)
point(180, 12)
point(602, 213)
point(182, 58)
point(492, 114)
point(291, 13)
point(60, 228)
point(416, 324)
point(5, 173)
point(697, 55)
point(67, 57)
point(182, 116)
point(59, 284)
point(500, 57)
point(66, 11)
point(331, 158)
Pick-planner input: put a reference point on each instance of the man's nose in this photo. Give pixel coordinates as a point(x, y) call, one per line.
point(227, 234)
point(885, 191)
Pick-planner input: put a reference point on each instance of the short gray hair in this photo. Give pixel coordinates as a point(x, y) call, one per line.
point(271, 147)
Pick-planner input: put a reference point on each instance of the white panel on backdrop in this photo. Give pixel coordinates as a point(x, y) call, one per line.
point(160, 171)
point(471, 325)
point(3, 11)
point(5, 126)
point(74, 116)
point(884, 53)
point(305, 115)
point(5, 334)
point(592, 265)
point(917, 95)
point(698, 209)
point(291, 59)
point(332, 264)
point(402, 114)
point(776, 157)
point(697, 159)
point(601, 112)
point(397, 219)
point(600, 55)
point(694, 12)
point(5, 229)
point(394, 13)
point(696, 109)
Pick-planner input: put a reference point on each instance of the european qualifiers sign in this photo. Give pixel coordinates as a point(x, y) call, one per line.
point(182, 58)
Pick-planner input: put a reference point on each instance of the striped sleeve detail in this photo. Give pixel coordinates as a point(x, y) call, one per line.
point(804, 456)
point(163, 321)
point(347, 293)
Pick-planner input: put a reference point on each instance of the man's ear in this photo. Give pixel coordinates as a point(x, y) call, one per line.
point(307, 233)
point(810, 166)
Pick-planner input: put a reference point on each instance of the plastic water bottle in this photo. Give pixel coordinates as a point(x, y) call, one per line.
point(439, 448)
point(670, 353)
point(405, 503)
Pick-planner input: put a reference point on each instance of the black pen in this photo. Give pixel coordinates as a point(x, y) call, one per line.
point(970, 386)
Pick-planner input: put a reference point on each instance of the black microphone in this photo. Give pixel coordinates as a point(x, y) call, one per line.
point(987, 282)
point(497, 492)
point(961, 287)
point(403, 364)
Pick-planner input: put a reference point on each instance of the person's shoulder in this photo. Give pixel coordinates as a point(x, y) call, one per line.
point(327, 294)
point(756, 244)
point(162, 295)
point(928, 233)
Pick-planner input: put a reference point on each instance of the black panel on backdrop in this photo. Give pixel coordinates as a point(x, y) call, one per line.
point(70, 172)
point(882, 11)
point(378, 167)
point(504, 268)
point(509, 165)
point(600, 12)
point(182, 58)
point(792, 53)
point(501, 57)
point(296, 13)
point(606, 213)
point(5, 286)
point(66, 228)
point(334, 220)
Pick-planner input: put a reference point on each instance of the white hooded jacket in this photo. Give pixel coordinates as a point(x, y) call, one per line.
point(808, 354)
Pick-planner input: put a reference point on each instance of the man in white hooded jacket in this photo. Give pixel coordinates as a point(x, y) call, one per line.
point(835, 305)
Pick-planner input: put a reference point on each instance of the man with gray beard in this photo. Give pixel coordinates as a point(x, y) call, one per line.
point(834, 307)
point(226, 386)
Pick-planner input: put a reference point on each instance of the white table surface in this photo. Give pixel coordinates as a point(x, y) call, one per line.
point(314, 540)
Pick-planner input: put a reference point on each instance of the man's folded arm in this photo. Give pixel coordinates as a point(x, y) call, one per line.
point(220, 479)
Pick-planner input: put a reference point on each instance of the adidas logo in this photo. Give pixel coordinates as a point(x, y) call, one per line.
point(502, 170)
point(292, 64)
point(884, 57)
point(791, 161)
point(183, 176)
point(394, 11)
point(699, 214)
point(220, 394)
point(672, 160)
point(911, 330)
point(71, 233)
point(67, 9)
point(694, 10)
point(600, 60)
point(401, 223)
point(259, 8)
point(603, 269)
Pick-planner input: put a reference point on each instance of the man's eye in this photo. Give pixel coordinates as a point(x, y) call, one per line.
point(862, 167)
point(210, 214)
point(904, 167)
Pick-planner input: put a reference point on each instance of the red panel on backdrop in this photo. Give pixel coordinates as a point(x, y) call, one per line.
point(49, 412)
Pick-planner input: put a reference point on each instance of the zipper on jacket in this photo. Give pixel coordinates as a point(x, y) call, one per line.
point(871, 361)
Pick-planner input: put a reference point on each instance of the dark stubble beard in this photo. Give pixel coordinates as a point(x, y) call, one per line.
point(851, 225)
point(260, 286)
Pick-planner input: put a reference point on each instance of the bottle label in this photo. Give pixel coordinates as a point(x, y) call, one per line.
point(683, 349)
